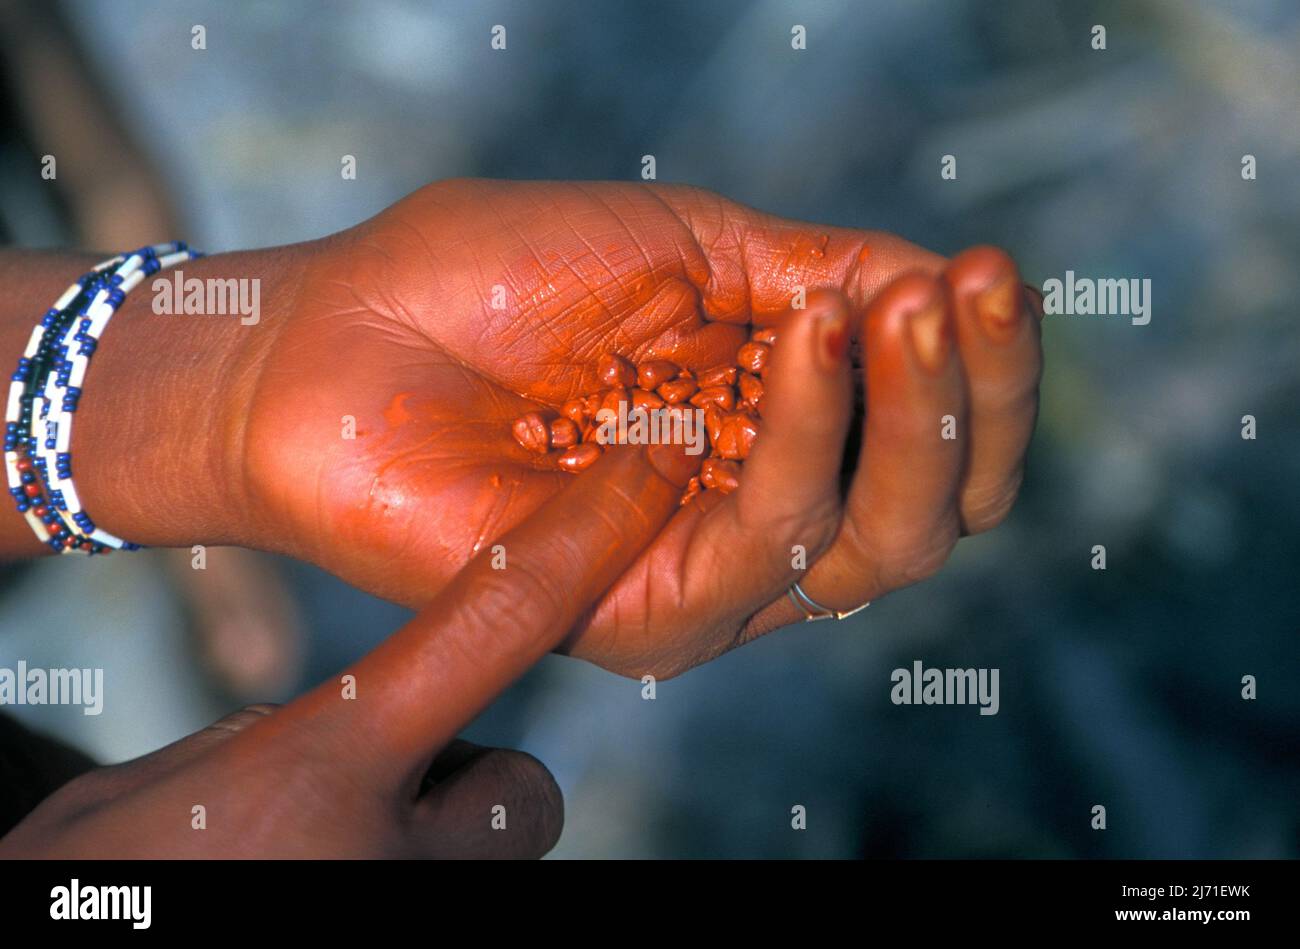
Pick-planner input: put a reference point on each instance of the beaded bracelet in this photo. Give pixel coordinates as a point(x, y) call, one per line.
point(44, 392)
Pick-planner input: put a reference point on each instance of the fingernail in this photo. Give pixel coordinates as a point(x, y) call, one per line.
point(998, 306)
point(672, 461)
point(832, 339)
point(930, 333)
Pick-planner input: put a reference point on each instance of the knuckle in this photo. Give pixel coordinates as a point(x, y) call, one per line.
point(982, 511)
point(813, 524)
point(920, 431)
point(821, 524)
point(912, 557)
point(513, 597)
point(238, 721)
point(622, 513)
point(1009, 396)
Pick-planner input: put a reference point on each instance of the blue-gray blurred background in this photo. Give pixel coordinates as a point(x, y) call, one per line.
point(1120, 687)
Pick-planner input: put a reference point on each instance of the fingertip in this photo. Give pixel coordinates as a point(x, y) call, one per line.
point(908, 294)
point(976, 267)
point(827, 303)
point(675, 462)
point(989, 296)
point(829, 310)
point(909, 328)
point(807, 385)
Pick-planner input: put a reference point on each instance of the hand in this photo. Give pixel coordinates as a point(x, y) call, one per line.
point(379, 775)
point(392, 324)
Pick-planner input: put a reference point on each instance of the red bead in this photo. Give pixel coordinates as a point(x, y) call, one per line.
point(54, 528)
point(40, 511)
point(32, 490)
point(24, 463)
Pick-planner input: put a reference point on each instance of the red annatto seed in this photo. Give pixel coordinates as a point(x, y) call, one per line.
point(678, 390)
point(730, 397)
point(706, 472)
point(677, 411)
point(712, 422)
point(613, 403)
point(726, 445)
point(532, 432)
point(718, 376)
point(726, 475)
point(724, 397)
point(752, 357)
point(579, 457)
point(575, 410)
point(737, 436)
point(564, 433)
point(653, 374)
point(615, 372)
point(610, 400)
point(641, 399)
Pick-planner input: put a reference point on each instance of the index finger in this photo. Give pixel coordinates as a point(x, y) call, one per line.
point(509, 607)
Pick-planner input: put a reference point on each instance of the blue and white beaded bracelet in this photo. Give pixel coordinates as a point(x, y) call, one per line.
point(44, 392)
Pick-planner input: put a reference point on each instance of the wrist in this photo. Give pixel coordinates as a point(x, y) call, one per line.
point(157, 447)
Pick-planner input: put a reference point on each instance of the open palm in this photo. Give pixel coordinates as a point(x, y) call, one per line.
point(425, 331)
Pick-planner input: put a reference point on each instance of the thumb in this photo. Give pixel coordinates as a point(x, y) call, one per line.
point(486, 803)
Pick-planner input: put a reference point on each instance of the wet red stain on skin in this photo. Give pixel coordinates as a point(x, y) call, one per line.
point(806, 247)
point(397, 413)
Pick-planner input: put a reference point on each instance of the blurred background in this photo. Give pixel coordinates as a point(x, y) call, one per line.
point(1119, 687)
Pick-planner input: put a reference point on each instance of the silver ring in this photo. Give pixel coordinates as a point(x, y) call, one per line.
point(814, 611)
